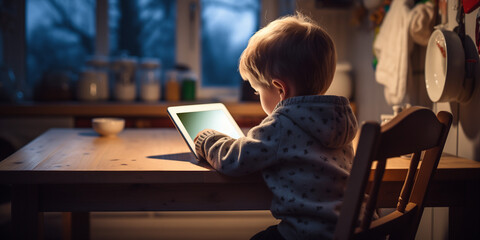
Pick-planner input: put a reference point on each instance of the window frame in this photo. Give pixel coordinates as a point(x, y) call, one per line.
point(187, 52)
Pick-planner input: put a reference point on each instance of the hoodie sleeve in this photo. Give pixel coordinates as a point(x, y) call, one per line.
point(244, 155)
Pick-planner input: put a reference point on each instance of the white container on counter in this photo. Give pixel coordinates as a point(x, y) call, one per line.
point(149, 79)
point(124, 92)
point(124, 78)
point(101, 63)
point(92, 85)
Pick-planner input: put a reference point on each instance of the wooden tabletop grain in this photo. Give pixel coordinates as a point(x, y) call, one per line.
point(148, 156)
point(82, 156)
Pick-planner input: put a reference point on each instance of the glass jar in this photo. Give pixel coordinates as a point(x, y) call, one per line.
point(100, 64)
point(172, 87)
point(123, 70)
point(189, 86)
point(92, 85)
point(149, 79)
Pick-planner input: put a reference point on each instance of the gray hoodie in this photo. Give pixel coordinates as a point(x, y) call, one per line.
point(304, 152)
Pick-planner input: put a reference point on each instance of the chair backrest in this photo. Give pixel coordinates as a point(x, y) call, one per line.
point(417, 132)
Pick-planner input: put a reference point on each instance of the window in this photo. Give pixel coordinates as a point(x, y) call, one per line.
point(223, 27)
point(226, 27)
point(206, 35)
point(60, 36)
point(210, 39)
point(144, 28)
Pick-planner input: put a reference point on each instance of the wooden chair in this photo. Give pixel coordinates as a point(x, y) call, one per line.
point(416, 131)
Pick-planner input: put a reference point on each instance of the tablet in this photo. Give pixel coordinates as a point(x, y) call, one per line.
point(191, 119)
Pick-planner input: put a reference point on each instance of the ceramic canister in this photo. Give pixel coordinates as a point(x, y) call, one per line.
point(92, 85)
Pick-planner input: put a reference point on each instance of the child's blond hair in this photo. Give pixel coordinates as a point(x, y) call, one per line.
point(292, 49)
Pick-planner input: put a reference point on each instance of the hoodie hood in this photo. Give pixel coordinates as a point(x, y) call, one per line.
point(328, 119)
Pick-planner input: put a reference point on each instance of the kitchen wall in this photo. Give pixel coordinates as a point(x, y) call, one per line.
point(468, 114)
point(464, 137)
point(354, 44)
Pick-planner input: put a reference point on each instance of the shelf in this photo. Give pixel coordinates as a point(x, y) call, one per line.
point(136, 114)
point(115, 109)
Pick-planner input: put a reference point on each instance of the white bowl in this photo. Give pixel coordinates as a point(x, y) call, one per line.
point(445, 67)
point(108, 127)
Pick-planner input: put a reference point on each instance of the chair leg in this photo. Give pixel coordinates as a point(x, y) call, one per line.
point(464, 220)
point(76, 225)
point(27, 221)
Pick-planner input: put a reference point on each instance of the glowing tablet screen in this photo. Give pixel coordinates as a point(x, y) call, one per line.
point(194, 122)
point(191, 119)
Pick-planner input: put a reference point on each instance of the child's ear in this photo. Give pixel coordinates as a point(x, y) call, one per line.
point(282, 88)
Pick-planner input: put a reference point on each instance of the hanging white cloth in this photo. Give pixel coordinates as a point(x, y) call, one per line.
point(392, 47)
point(421, 23)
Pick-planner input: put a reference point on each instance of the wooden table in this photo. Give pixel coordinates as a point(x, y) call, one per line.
point(75, 170)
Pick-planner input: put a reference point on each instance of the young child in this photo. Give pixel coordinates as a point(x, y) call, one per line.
point(303, 147)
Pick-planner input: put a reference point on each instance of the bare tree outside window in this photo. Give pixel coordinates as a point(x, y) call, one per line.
point(226, 27)
point(61, 34)
point(157, 34)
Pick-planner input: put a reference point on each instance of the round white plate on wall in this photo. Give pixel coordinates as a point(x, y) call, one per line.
point(445, 67)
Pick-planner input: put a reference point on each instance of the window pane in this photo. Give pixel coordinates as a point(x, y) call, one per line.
point(226, 27)
point(60, 35)
point(144, 28)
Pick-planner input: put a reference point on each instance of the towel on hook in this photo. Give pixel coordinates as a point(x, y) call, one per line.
point(421, 23)
point(392, 47)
